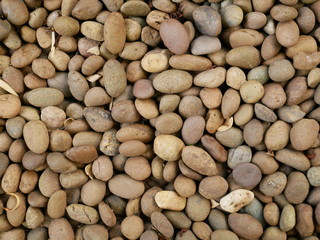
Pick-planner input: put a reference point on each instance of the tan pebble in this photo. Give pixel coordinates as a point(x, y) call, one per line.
point(235, 200)
point(170, 31)
point(168, 147)
point(170, 200)
point(199, 160)
point(287, 218)
point(36, 136)
point(287, 33)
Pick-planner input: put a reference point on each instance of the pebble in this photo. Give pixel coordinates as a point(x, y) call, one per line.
point(266, 163)
point(218, 220)
point(297, 188)
point(132, 227)
point(114, 32)
point(235, 200)
point(82, 154)
point(201, 230)
point(247, 175)
point(199, 160)
point(162, 224)
point(211, 78)
point(287, 218)
point(230, 103)
point(245, 37)
point(304, 224)
point(170, 200)
point(197, 208)
point(109, 145)
point(253, 133)
point(291, 114)
point(223, 235)
point(264, 113)
point(92, 30)
point(36, 136)
point(272, 233)
point(190, 62)
point(115, 80)
point(231, 15)
point(98, 119)
point(137, 9)
point(273, 184)
point(245, 226)
point(281, 70)
point(204, 14)
point(43, 97)
point(303, 134)
point(15, 11)
point(214, 148)
point(283, 13)
point(124, 186)
point(168, 147)
point(82, 213)
point(10, 106)
point(66, 26)
point(205, 45)
point(25, 55)
point(192, 130)
point(313, 175)
point(251, 91)
point(164, 84)
point(174, 36)
point(236, 56)
point(178, 219)
point(259, 73)
point(255, 209)
point(231, 138)
point(213, 187)
point(271, 213)
point(241, 154)
point(277, 136)
point(285, 29)
point(293, 159)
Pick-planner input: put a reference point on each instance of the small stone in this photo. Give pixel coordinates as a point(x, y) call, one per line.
point(170, 200)
point(236, 199)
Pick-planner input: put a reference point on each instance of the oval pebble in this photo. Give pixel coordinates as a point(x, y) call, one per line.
point(235, 200)
point(293, 159)
point(236, 55)
point(115, 80)
point(303, 134)
point(115, 32)
point(245, 226)
point(170, 200)
point(273, 184)
point(174, 36)
point(82, 213)
point(162, 224)
point(199, 160)
point(43, 97)
point(287, 218)
point(204, 14)
point(164, 83)
point(247, 175)
point(10, 106)
point(126, 187)
point(36, 136)
point(168, 147)
point(241, 154)
point(297, 188)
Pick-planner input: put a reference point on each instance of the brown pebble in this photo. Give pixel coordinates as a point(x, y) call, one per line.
point(247, 175)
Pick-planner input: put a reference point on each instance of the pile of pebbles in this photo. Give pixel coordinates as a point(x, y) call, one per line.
point(159, 119)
